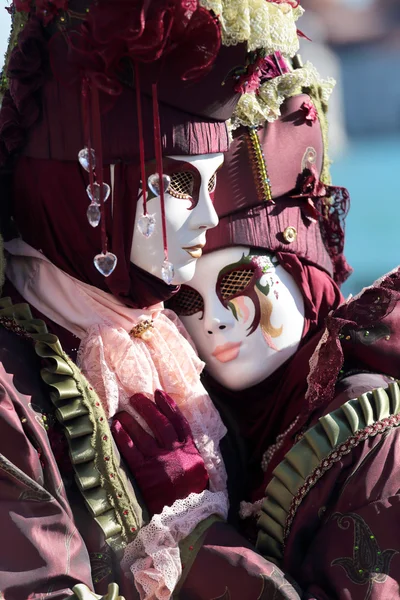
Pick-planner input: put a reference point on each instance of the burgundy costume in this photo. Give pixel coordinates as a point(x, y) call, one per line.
point(319, 437)
point(68, 505)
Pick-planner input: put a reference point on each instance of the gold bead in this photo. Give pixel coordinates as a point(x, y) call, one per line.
point(142, 330)
point(290, 234)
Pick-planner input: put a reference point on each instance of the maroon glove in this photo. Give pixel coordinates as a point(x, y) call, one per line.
point(168, 466)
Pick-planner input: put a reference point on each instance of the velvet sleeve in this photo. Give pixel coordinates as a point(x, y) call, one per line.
point(41, 553)
point(344, 540)
point(220, 564)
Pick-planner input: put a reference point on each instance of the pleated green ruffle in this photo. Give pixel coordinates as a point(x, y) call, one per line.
point(333, 436)
point(105, 488)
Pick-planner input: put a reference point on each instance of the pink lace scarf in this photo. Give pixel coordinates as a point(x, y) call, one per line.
point(118, 366)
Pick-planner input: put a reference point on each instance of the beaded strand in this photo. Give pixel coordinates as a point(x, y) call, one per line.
point(258, 163)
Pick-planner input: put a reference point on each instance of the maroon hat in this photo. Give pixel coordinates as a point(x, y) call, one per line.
point(111, 82)
point(269, 194)
point(42, 110)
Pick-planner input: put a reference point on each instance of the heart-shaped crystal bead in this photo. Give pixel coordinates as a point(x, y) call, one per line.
point(95, 196)
point(105, 263)
point(167, 272)
point(154, 183)
point(93, 214)
point(146, 225)
point(83, 157)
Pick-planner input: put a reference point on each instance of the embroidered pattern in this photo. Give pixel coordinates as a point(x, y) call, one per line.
point(259, 167)
point(332, 458)
point(34, 491)
point(369, 564)
point(367, 336)
point(225, 596)
point(11, 325)
point(101, 564)
point(276, 587)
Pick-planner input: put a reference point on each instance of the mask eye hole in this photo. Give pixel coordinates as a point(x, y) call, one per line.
point(234, 282)
point(186, 302)
point(182, 185)
point(212, 183)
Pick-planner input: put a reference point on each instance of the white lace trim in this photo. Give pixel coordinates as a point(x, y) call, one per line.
point(254, 109)
point(250, 509)
point(154, 558)
point(260, 23)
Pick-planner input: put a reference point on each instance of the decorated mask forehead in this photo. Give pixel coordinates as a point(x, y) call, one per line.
point(189, 184)
point(245, 314)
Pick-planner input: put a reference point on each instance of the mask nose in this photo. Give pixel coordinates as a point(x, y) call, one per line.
point(204, 215)
point(217, 319)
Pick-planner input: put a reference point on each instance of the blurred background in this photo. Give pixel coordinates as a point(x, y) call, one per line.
point(358, 43)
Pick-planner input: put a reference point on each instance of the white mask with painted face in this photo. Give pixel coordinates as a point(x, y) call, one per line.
point(245, 314)
point(189, 213)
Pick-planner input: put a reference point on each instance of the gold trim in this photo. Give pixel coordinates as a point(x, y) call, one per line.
point(334, 434)
point(259, 167)
point(142, 329)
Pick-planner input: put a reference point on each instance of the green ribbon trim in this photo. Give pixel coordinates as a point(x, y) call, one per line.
point(309, 453)
point(104, 486)
point(190, 546)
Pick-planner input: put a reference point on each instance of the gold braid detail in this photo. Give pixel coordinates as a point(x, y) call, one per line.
point(259, 167)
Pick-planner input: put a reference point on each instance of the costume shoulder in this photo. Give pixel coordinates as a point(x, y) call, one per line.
point(39, 385)
point(43, 545)
point(332, 510)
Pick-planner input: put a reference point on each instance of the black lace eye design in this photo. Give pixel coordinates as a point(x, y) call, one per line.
point(234, 283)
point(186, 302)
point(212, 184)
point(182, 185)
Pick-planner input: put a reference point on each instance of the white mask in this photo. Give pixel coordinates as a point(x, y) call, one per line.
point(242, 337)
point(187, 219)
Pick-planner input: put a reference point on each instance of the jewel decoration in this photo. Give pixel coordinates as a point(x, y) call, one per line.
point(105, 263)
point(93, 214)
point(83, 157)
point(95, 197)
point(167, 272)
point(154, 183)
point(146, 225)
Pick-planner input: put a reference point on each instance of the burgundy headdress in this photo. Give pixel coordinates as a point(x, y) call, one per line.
point(111, 83)
point(269, 194)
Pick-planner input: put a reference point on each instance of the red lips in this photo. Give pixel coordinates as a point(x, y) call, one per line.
point(227, 352)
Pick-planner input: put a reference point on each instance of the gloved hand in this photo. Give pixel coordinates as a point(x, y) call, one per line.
point(167, 466)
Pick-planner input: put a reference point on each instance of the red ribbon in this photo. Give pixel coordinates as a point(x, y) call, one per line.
point(141, 137)
point(159, 163)
point(98, 150)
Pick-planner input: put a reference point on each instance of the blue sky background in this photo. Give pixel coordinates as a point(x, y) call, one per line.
point(4, 29)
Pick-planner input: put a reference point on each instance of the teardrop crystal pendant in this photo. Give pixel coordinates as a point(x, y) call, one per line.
point(154, 183)
point(146, 225)
point(105, 263)
point(93, 214)
point(167, 272)
point(95, 197)
point(83, 157)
